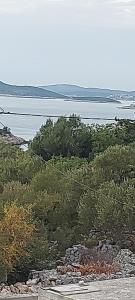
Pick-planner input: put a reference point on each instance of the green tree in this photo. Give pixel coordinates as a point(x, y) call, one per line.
point(125, 132)
point(16, 165)
point(115, 207)
point(66, 138)
point(116, 163)
point(104, 136)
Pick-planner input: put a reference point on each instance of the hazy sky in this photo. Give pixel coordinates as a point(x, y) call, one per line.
point(86, 42)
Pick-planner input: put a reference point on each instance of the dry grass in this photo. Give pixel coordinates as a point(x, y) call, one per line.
point(92, 268)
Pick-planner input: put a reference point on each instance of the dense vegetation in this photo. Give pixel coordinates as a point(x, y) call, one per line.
point(74, 179)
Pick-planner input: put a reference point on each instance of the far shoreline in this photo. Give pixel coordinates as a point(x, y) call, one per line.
point(70, 99)
point(31, 97)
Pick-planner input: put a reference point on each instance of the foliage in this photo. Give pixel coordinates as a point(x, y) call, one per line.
point(16, 231)
point(66, 138)
point(70, 137)
point(84, 180)
point(115, 207)
point(120, 133)
point(116, 163)
point(17, 165)
point(108, 203)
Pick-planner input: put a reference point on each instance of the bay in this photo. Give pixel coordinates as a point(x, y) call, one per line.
point(27, 126)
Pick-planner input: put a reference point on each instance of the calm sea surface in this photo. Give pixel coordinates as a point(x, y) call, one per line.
point(27, 126)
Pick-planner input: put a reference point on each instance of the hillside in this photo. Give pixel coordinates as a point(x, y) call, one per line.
point(66, 89)
point(78, 91)
point(27, 91)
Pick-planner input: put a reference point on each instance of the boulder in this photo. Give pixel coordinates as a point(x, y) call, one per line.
point(13, 289)
point(32, 282)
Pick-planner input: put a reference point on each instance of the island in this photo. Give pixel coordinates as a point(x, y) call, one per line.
point(8, 90)
point(131, 106)
point(94, 99)
point(65, 92)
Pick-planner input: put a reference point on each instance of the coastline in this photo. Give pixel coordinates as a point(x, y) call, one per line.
point(31, 97)
point(67, 99)
point(9, 138)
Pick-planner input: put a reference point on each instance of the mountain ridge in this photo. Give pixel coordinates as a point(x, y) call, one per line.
point(63, 91)
point(80, 91)
point(25, 91)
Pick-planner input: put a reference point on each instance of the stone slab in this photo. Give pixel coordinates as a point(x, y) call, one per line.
point(118, 289)
point(20, 297)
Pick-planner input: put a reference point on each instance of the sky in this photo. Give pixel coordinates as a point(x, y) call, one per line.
point(85, 42)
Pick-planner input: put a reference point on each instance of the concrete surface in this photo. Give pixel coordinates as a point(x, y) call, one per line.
point(118, 289)
point(20, 297)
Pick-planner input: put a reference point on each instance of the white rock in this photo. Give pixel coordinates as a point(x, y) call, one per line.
point(4, 292)
point(31, 282)
point(82, 283)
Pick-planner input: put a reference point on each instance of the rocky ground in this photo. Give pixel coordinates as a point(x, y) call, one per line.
point(12, 139)
point(71, 271)
point(16, 289)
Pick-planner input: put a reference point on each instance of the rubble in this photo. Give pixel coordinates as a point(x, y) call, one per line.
point(71, 274)
point(126, 260)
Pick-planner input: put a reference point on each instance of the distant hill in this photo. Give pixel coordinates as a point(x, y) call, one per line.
point(78, 91)
point(27, 91)
point(63, 91)
point(69, 90)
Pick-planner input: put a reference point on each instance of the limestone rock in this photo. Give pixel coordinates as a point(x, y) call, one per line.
point(32, 282)
point(126, 259)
